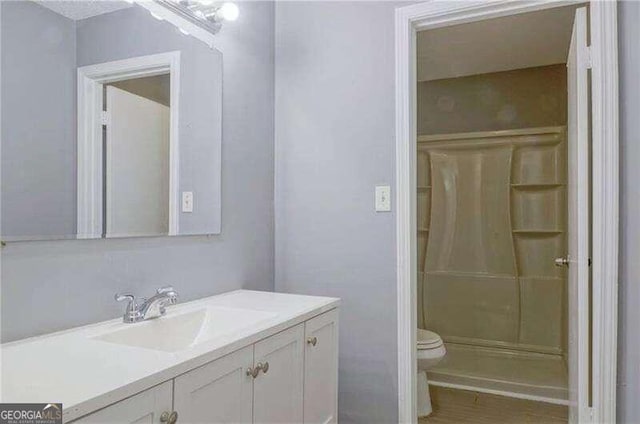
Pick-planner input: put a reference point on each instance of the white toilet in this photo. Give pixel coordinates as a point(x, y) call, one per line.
point(430, 351)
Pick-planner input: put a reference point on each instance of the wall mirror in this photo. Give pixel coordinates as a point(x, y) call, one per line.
point(110, 120)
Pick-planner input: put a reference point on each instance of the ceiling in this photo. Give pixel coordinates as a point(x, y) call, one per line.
point(513, 42)
point(78, 10)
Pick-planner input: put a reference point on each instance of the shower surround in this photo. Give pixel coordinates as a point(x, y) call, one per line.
point(491, 221)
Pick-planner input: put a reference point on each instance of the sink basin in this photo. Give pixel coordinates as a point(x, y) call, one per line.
point(173, 333)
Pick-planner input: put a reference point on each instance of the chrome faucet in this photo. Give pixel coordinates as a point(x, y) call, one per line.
point(153, 307)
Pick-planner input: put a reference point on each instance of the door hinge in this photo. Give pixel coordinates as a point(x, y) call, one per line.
point(588, 62)
point(104, 116)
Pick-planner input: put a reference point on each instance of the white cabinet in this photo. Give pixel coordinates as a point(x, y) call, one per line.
point(321, 369)
point(218, 392)
point(144, 408)
point(277, 389)
point(290, 377)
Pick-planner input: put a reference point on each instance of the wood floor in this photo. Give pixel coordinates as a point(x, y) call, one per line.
point(461, 406)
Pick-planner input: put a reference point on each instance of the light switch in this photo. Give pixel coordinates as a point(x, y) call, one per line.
point(187, 201)
point(383, 198)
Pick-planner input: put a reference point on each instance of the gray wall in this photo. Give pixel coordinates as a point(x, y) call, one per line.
point(629, 316)
point(56, 285)
point(134, 32)
point(334, 142)
point(40, 108)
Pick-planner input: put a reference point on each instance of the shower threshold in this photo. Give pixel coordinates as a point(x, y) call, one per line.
point(524, 375)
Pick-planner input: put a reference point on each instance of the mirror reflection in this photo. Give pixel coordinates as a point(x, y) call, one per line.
point(111, 123)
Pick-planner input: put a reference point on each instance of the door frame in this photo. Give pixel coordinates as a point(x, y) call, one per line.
point(91, 80)
point(604, 184)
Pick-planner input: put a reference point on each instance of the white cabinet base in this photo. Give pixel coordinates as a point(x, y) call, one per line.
point(290, 377)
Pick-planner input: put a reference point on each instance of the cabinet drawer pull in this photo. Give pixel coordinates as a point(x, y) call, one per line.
point(312, 341)
point(169, 418)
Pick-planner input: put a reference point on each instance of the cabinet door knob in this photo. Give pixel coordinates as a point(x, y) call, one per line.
point(169, 417)
point(312, 341)
point(265, 367)
point(173, 417)
point(253, 372)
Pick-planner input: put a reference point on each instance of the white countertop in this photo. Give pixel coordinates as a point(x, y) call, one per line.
point(86, 374)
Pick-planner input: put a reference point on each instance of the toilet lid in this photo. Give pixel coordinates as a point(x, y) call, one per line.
point(428, 339)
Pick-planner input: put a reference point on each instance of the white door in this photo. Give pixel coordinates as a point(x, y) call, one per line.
point(144, 408)
point(219, 392)
point(578, 204)
point(277, 391)
point(137, 165)
point(321, 369)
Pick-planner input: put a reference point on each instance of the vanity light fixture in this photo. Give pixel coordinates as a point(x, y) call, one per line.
point(228, 11)
point(201, 19)
point(211, 12)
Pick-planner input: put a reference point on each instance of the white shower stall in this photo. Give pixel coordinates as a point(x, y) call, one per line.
point(491, 221)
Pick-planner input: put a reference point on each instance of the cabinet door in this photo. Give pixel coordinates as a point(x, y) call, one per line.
point(218, 392)
point(277, 393)
point(321, 369)
point(145, 407)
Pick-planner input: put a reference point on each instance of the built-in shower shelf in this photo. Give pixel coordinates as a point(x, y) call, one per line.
point(541, 278)
point(423, 230)
point(538, 232)
point(424, 188)
point(543, 186)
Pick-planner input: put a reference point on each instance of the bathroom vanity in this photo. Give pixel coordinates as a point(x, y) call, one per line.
point(240, 357)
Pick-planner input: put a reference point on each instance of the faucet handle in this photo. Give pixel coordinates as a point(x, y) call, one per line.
point(172, 295)
point(165, 289)
point(131, 313)
point(125, 296)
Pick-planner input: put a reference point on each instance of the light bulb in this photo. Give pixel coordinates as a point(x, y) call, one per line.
point(229, 11)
